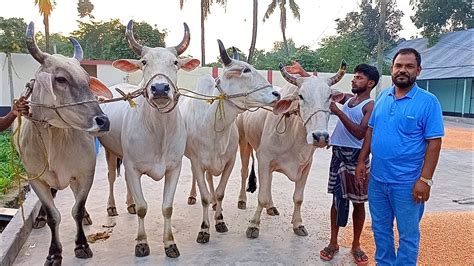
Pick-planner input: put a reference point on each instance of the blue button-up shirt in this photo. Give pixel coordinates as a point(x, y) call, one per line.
point(401, 128)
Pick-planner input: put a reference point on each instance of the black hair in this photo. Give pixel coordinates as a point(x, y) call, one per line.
point(369, 71)
point(408, 51)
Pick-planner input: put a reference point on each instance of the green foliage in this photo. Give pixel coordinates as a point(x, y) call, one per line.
point(62, 43)
point(106, 40)
point(84, 8)
point(439, 16)
point(6, 171)
point(12, 35)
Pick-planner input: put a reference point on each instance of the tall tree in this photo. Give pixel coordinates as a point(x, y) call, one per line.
point(205, 11)
point(254, 31)
point(45, 9)
point(435, 17)
point(84, 8)
point(295, 9)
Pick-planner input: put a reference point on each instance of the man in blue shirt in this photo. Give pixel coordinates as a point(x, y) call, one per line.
point(404, 137)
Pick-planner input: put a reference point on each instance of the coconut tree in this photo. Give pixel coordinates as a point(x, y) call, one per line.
point(295, 9)
point(45, 9)
point(205, 11)
point(84, 8)
point(254, 31)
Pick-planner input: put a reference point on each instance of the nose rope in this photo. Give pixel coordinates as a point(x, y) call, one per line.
point(296, 112)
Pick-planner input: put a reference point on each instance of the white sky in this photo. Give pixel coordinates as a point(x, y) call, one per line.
point(233, 25)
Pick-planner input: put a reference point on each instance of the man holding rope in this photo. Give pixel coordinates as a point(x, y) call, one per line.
point(19, 106)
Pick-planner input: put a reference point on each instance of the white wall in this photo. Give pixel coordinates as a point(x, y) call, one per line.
point(25, 67)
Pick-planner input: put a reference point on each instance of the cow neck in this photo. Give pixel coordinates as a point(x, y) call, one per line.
point(153, 119)
point(223, 112)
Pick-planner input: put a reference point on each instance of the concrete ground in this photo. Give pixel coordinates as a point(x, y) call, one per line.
point(277, 244)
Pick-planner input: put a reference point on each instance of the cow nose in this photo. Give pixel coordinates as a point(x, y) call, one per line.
point(160, 89)
point(321, 136)
point(276, 94)
point(102, 122)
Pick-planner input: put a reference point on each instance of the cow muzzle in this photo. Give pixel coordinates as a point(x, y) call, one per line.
point(102, 122)
point(160, 90)
point(320, 139)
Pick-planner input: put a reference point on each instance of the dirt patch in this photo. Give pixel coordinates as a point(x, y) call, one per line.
point(458, 139)
point(446, 239)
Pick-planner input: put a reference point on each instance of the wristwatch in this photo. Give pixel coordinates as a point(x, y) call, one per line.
point(428, 181)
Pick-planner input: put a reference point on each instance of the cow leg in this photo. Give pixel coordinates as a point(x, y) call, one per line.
point(210, 183)
point(192, 194)
point(297, 221)
point(265, 180)
point(86, 220)
point(171, 182)
point(40, 220)
point(130, 203)
point(245, 150)
point(220, 224)
point(271, 209)
point(133, 179)
point(54, 218)
point(198, 173)
point(80, 188)
point(111, 174)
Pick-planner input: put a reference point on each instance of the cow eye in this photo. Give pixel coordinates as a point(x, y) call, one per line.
point(60, 79)
point(301, 97)
point(176, 62)
point(246, 70)
point(144, 62)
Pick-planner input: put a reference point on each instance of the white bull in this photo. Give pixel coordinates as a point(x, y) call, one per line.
point(56, 143)
point(150, 138)
point(212, 135)
point(286, 139)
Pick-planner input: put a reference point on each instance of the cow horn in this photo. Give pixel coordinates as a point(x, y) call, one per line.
point(78, 53)
point(224, 56)
point(136, 47)
point(288, 77)
point(37, 54)
point(336, 78)
point(183, 45)
point(235, 54)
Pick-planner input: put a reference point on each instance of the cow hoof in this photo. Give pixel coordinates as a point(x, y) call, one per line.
point(242, 205)
point(191, 200)
point(172, 251)
point(214, 206)
point(40, 222)
point(112, 211)
point(221, 227)
point(86, 220)
point(252, 232)
point(83, 251)
point(273, 211)
point(131, 209)
point(142, 250)
point(53, 260)
point(301, 231)
point(203, 237)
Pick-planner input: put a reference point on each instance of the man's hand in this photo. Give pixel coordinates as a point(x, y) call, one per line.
point(20, 106)
point(421, 192)
point(334, 109)
point(361, 172)
point(296, 68)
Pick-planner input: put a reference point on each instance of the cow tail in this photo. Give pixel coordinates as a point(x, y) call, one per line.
point(252, 183)
point(119, 163)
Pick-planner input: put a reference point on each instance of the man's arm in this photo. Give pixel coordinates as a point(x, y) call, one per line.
point(421, 189)
point(357, 130)
point(364, 154)
point(19, 106)
point(6, 121)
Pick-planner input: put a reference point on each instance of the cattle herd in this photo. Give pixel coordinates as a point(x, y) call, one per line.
point(207, 125)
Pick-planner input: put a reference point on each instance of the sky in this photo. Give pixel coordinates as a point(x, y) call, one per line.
point(232, 25)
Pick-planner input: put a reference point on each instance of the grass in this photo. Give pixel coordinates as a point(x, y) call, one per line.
point(6, 171)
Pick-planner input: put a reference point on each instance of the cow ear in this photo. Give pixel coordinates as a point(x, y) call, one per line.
point(127, 65)
point(189, 64)
point(283, 106)
point(336, 95)
point(99, 89)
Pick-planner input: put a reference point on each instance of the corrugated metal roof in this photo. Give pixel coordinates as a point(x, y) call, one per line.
point(451, 57)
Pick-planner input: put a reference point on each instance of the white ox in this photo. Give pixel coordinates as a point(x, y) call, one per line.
point(150, 138)
point(286, 139)
point(212, 135)
point(56, 143)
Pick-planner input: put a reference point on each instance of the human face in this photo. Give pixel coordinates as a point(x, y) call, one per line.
point(360, 83)
point(404, 70)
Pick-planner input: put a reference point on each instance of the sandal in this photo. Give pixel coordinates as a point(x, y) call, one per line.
point(328, 253)
point(360, 258)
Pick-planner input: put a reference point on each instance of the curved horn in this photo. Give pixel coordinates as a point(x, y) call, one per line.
point(78, 53)
point(288, 77)
point(336, 78)
point(134, 45)
point(224, 56)
point(183, 45)
point(235, 54)
point(37, 54)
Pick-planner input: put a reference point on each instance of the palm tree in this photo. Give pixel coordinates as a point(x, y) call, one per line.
point(84, 8)
point(254, 31)
point(205, 11)
point(282, 5)
point(45, 9)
